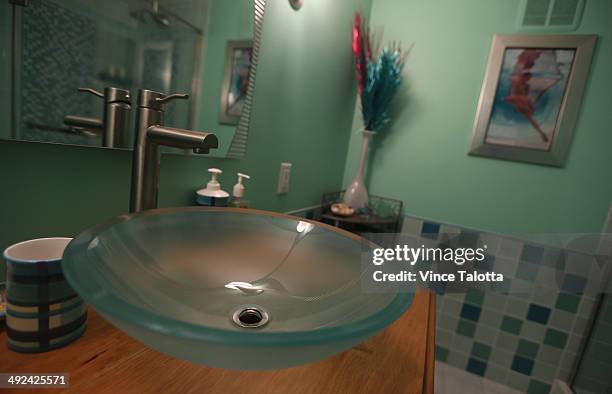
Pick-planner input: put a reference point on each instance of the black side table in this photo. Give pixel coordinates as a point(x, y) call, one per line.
point(383, 215)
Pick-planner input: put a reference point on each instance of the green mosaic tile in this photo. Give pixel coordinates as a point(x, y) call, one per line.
point(517, 381)
point(466, 328)
point(527, 349)
point(555, 338)
point(537, 387)
point(544, 371)
point(511, 325)
point(474, 297)
point(441, 354)
point(567, 302)
point(507, 342)
point(481, 351)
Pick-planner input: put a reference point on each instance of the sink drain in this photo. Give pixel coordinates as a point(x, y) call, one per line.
point(250, 317)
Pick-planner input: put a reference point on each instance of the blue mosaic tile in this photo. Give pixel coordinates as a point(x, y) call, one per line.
point(441, 353)
point(466, 328)
point(430, 230)
point(537, 387)
point(567, 302)
point(476, 366)
point(522, 365)
point(538, 313)
point(488, 263)
point(470, 312)
point(532, 254)
point(481, 351)
point(574, 284)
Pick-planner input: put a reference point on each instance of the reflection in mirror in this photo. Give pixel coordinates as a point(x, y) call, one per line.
point(58, 47)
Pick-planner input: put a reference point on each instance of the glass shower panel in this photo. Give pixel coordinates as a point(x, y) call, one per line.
point(594, 372)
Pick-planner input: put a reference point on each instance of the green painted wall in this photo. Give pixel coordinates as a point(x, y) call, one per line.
point(423, 160)
point(302, 114)
point(229, 20)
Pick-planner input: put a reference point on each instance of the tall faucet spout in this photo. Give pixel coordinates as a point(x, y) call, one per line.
point(184, 139)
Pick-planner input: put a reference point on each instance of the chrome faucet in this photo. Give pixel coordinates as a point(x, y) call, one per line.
point(115, 123)
point(150, 134)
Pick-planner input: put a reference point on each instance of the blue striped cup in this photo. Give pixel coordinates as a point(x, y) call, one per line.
point(42, 312)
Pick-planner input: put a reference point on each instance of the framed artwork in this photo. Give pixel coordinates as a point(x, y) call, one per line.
point(238, 59)
point(531, 96)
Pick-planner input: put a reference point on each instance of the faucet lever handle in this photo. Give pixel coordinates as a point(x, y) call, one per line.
point(92, 91)
point(170, 97)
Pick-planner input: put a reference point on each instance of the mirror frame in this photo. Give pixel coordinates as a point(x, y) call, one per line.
point(238, 146)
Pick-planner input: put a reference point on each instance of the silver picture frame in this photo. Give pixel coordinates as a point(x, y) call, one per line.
point(233, 48)
point(566, 111)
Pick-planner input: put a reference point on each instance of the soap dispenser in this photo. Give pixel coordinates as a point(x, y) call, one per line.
point(212, 195)
point(238, 200)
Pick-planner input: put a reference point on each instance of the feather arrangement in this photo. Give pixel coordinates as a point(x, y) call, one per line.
point(379, 74)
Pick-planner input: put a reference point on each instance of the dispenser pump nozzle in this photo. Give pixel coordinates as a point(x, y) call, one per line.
point(238, 190)
point(213, 184)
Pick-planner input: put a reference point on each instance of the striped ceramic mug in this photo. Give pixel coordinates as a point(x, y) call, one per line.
point(42, 312)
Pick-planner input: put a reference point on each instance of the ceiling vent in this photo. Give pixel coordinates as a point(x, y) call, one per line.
point(557, 15)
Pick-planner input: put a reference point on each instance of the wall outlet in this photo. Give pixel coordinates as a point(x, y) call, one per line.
point(283, 178)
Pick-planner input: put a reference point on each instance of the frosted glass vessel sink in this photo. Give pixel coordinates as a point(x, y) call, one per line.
point(230, 288)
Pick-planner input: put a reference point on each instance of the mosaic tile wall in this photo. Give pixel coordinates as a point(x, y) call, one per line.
point(526, 340)
point(58, 51)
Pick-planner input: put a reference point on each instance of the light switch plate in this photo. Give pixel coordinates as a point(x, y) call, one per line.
point(283, 178)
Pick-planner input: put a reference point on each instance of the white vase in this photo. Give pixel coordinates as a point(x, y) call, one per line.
point(356, 195)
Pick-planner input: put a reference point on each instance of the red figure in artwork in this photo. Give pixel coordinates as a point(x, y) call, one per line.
point(523, 95)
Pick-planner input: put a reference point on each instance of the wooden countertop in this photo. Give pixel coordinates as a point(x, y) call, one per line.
point(104, 360)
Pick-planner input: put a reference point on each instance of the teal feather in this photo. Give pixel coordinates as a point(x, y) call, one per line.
point(383, 80)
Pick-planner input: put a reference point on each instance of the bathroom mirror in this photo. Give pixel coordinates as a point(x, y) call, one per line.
point(51, 48)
